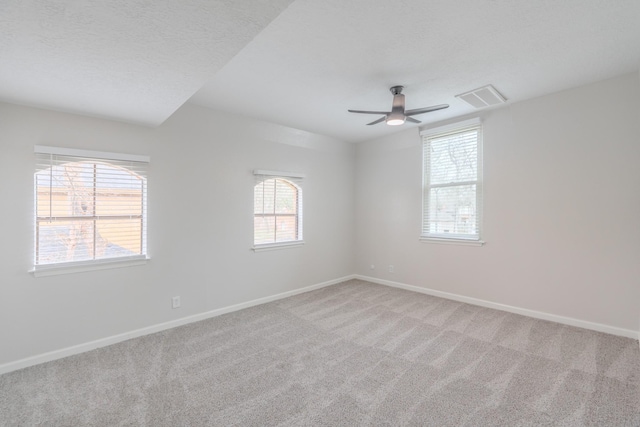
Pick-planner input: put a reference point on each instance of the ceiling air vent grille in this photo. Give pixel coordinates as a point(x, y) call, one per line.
point(482, 97)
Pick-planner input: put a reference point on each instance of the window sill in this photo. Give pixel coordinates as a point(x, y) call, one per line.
point(79, 267)
point(453, 241)
point(274, 246)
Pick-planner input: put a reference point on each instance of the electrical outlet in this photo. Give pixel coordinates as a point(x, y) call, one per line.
point(391, 269)
point(373, 267)
point(175, 302)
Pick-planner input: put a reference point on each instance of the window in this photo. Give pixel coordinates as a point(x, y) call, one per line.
point(277, 209)
point(91, 208)
point(452, 183)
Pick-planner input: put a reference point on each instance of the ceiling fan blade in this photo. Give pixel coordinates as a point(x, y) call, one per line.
point(425, 110)
point(368, 112)
point(381, 119)
point(412, 120)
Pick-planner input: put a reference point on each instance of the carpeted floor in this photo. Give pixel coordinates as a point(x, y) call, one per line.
point(347, 355)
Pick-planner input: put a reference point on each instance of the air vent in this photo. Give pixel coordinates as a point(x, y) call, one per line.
point(482, 97)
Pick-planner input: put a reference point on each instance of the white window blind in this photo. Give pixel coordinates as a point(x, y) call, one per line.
point(452, 185)
point(89, 207)
point(277, 213)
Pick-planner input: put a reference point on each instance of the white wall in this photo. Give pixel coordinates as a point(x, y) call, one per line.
point(200, 224)
point(562, 217)
point(561, 212)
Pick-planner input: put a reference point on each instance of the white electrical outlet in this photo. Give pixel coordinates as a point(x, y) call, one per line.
point(175, 302)
point(391, 269)
point(373, 267)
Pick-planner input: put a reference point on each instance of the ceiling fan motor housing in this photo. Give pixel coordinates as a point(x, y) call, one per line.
point(396, 90)
point(396, 117)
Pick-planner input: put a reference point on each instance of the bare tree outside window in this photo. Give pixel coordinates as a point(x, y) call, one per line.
point(88, 210)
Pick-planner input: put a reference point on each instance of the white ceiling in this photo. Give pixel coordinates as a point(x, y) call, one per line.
point(304, 65)
point(131, 60)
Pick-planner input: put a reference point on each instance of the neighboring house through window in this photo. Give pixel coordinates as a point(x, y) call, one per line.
point(91, 207)
point(452, 183)
point(277, 209)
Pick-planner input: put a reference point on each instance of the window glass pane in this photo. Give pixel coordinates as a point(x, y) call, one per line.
point(118, 202)
point(286, 228)
point(77, 180)
point(65, 241)
point(264, 229)
point(454, 158)
point(108, 176)
point(258, 198)
point(285, 198)
point(51, 201)
point(268, 202)
point(453, 210)
point(118, 237)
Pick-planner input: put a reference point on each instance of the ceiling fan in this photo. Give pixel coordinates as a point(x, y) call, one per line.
point(398, 115)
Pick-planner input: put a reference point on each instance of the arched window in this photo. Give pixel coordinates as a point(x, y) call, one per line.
point(277, 214)
point(88, 209)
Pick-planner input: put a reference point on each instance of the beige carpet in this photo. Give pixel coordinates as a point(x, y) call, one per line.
point(350, 354)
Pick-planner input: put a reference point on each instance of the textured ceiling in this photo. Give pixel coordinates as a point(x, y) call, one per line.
point(131, 60)
point(320, 58)
point(303, 63)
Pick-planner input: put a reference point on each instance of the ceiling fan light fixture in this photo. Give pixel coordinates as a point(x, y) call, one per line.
point(396, 118)
point(395, 121)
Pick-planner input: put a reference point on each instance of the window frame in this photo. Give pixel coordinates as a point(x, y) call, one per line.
point(294, 179)
point(110, 159)
point(440, 131)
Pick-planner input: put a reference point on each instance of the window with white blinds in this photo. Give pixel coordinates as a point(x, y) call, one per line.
point(452, 182)
point(277, 209)
point(90, 207)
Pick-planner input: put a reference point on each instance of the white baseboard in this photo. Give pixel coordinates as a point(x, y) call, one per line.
point(103, 342)
point(511, 309)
